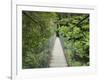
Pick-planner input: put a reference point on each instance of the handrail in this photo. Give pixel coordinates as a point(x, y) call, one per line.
point(82, 20)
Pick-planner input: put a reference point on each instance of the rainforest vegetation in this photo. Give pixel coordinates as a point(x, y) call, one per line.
point(39, 30)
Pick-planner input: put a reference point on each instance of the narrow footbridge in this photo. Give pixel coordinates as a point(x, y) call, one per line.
point(57, 56)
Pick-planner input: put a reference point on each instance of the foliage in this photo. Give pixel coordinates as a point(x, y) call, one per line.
point(38, 36)
point(37, 29)
point(75, 34)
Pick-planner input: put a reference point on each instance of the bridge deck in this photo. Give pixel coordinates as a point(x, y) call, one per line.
point(57, 56)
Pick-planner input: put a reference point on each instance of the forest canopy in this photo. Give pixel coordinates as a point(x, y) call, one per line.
point(39, 30)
